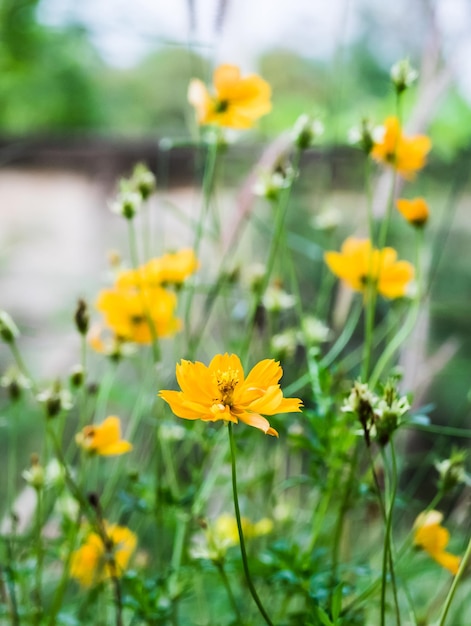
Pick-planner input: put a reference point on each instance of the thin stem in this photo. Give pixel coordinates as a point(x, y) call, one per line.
point(241, 533)
point(387, 552)
point(230, 595)
point(280, 218)
point(39, 559)
point(449, 599)
point(135, 263)
point(344, 336)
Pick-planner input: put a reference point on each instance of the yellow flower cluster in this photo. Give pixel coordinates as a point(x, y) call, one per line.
point(140, 306)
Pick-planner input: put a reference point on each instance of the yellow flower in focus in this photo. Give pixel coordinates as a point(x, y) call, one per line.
point(405, 154)
point(358, 264)
point(415, 211)
point(91, 563)
point(237, 102)
point(220, 391)
point(172, 268)
point(433, 538)
point(103, 439)
point(127, 312)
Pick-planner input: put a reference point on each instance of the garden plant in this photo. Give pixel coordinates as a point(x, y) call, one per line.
point(230, 448)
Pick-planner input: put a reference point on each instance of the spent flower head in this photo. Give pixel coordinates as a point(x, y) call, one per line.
point(306, 130)
point(55, 399)
point(452, 471)
point(142, 180)
point(363, 136)
point(270, 183)
point(34, 475)
point(403, 75)
point(14, 382)
point(127, 203)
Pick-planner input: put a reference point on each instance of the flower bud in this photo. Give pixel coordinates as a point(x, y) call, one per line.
point(14, 382)
point(8, 329)
point(34, 476)
point(142, 180)
point(77, 376)
point(82, 317)
point(55, 400)
point(127, 204)
point(452, 472)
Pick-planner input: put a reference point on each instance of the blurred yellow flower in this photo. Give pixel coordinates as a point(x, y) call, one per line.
point(415, 211)
point(225, 531)
point(237, 102)
point(223, 534)
point(405, 154)
point(358, 264)
point(172, 268)
point(127, 312)
point(220, 391)
point(433, 538)
point(91, 563)
point(103, 439)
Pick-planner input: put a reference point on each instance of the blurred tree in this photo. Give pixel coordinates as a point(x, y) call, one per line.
point(48, 76)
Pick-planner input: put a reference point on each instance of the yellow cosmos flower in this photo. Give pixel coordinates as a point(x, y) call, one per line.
point(358, 264)
point(415, 211)
point(405, 154)
point(103, 439)
point(433, 538)
point(237, 102)
point(220, 391)
point(172, 268)
point(127, 311)
point(224, 532)
point(91, 564)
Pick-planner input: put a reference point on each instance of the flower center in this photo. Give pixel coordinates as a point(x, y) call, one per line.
point(221, 106)
point(137, 319)
point(226, 382)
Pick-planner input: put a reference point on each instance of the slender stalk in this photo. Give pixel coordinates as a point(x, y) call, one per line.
point(230, 595)
point(37, 594)
point(454, 586)
point(280, 218)
point(387, 552)
point(135, 263)
point(243, 551)
point(208, 186)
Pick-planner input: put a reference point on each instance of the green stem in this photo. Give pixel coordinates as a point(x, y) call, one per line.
point(449, 599)
point(408, 325)
point(135, 263)
point(208, 185)
point(344, 506)
point(344, 336)
point(230, 595)
point(387, 552)
point(370, 296)
point(278, 233)
point(39, 559)
point(243, 551)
